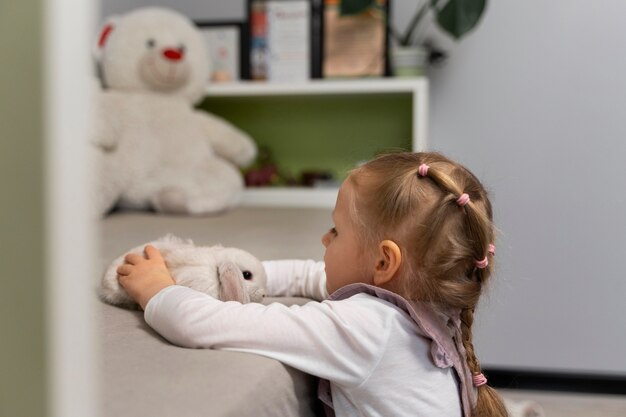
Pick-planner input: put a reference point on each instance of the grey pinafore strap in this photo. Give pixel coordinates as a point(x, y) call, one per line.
point(442, 329)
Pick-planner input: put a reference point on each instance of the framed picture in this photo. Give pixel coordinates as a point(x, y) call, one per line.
point(227, 47)
point(355, 45)
point(282, 38)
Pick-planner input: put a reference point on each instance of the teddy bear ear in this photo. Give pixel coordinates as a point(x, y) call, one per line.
point(103, 36)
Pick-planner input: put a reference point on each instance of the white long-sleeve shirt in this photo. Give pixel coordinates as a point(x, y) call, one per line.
point(369, 349)
point(296, 278)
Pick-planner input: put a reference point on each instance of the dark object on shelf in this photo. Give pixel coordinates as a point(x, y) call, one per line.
point(436, 56)
point(261, 177)
point(314, 178)
point(264, 172)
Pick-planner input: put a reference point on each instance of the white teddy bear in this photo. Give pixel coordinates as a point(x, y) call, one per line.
point(154, 150)
point(229, 274)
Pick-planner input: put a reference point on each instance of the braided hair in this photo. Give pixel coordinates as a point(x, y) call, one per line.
point(439, 214)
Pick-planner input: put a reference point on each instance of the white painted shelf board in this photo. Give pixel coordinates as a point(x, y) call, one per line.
point(313, 87)
point(303, 197)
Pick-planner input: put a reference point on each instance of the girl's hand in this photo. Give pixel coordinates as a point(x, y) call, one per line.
point(143, 277)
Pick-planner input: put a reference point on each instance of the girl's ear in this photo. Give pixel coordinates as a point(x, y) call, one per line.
point(388, 261)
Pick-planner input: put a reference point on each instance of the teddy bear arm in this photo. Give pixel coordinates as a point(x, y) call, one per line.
point(227, 141)
point(107, 123)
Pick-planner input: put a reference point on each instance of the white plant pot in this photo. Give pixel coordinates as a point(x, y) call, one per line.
point(409, 61)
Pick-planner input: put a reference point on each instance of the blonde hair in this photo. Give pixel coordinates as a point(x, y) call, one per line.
point(441, 240)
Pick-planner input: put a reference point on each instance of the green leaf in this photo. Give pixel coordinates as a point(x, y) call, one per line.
point(351, 7)
point(458, 17)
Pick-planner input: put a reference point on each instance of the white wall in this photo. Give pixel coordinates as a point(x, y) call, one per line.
point(195, 9)
point(533, 101)
point(70, 220)
point(229, 9)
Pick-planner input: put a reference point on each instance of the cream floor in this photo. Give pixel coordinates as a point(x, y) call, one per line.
point(558, 404)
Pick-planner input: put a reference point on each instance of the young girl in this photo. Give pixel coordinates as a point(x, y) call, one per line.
point(405, 263)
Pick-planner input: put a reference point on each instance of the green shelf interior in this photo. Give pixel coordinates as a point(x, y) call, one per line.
point(321, 132)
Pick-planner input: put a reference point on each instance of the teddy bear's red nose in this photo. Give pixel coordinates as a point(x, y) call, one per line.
point(173, 54)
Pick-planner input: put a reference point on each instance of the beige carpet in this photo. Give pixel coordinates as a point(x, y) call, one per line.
point(267, 233)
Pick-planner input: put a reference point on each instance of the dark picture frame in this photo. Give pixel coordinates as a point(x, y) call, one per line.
point(225, 48)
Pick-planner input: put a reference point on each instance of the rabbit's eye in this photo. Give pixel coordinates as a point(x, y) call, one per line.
point(247, 275)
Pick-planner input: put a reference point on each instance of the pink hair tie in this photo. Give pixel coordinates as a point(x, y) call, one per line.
point(482, 264)
point(479, 380)
point(422, 171)
point(492, 249)
point(463, 199)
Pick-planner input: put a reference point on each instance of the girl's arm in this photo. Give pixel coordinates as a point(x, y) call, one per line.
point(296, 278)
point(338, 340)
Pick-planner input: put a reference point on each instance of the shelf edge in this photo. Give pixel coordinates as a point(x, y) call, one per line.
point(290, 197)
point(321, 87)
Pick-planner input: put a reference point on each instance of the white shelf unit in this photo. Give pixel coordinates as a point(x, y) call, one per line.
point(325, 197)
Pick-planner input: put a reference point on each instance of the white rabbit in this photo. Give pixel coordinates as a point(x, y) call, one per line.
point(229, 274)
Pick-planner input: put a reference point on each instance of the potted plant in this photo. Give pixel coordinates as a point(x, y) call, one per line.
point(410, 54)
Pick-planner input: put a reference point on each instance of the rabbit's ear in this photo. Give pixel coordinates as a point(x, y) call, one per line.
point(232, 286)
